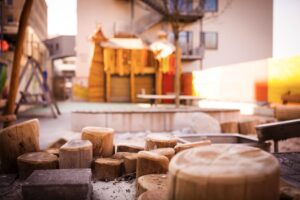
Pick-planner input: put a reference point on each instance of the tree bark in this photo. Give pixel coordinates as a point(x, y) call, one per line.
point(14, 79)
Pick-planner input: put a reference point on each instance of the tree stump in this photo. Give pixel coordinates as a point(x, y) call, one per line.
point(151, 163)
point(57, 143)
point(155, 141)
point(108, 169)
point(151, 182)
point(54, 151)
point(248, 127)
point(130, 162)
point(154, 195)
point(168, 152)
point(129, 148)
point(101, 138)
point(181, 147)
point(17, 140)
point(76, 154)
point(223, 172)
point(29, 162)
point(120, 155)
point(230, 127)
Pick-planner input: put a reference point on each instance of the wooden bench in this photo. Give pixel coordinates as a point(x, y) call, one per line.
point(189, 99)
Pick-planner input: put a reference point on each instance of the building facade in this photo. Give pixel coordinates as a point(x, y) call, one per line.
point(231, 31)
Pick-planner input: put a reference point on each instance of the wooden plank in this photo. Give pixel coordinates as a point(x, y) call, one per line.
point(158, 84)
point(107, 86)
point(132, 86)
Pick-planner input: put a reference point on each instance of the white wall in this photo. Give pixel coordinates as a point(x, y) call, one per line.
point(286, 28)
point(245, 32)
point(90, 13)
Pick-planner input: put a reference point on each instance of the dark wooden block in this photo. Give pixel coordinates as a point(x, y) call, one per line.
point(59, 184)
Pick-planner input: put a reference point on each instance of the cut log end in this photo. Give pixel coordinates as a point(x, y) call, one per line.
point(129, 148)
point(155, 141)
point(181, 147)
point(29, 162)
point(108, 169)
point(168, 152)
point(151, 182)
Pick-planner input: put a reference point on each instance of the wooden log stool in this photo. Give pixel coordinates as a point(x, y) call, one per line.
point(223, 172)
point(248, 127)
point(155, 141)
point(154, 195)
point(151, 163)
point(168, 152)
point(129, 148)
point(151, 182)
point(230, 127)
point(29, 162)
point(130, 162)
point(101, 138)
point(108, 169)
point(76, 154)
point(181, 147)
point(17, 140)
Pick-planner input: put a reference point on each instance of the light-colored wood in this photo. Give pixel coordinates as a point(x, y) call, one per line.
point(151, 182)
point(76, 154)
point(154, 195)
point(108, 169)
point(132, 85)
point(101, 138)
point(248, 127)
point(287, 112)
point(29, 162)
point(54, 151)
point(17, 140)
point(120, 155)
point(223, 172)
point(57, 143)
point(16, 67)
point(156, 140)
point(181, 147)
point(151, 163)
point(107, 86)
point(129, 148)
point(130, 162)
point(230, 127)
point(158, 84)
point(8, 118)
point(168, 152)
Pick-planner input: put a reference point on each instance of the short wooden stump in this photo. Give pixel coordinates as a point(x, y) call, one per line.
point(108, 169)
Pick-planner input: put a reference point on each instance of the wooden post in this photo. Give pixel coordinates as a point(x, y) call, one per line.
point(158, 82)
point(132, 85)
point(107, 85)
point(14, 80)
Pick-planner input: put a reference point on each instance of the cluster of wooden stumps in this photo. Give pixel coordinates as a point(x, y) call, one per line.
point(164, 168)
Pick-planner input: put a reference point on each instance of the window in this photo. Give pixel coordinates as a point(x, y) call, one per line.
point(56, 46)
point(182, 5)
point(210, 5)
point(185, 41)
point(209, 40)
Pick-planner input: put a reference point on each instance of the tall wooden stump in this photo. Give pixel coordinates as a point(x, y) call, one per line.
point(223, 172)
point(29, 162)
point(101, 138)
point(151, 163)
point(76, 154)
point(17, 140)
point(155, 141)
point(230, 127)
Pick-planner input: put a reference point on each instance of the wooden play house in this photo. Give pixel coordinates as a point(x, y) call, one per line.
point(121, 68)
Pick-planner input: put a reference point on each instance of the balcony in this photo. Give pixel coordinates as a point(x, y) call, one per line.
point(188, 10)
point(193, 54)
